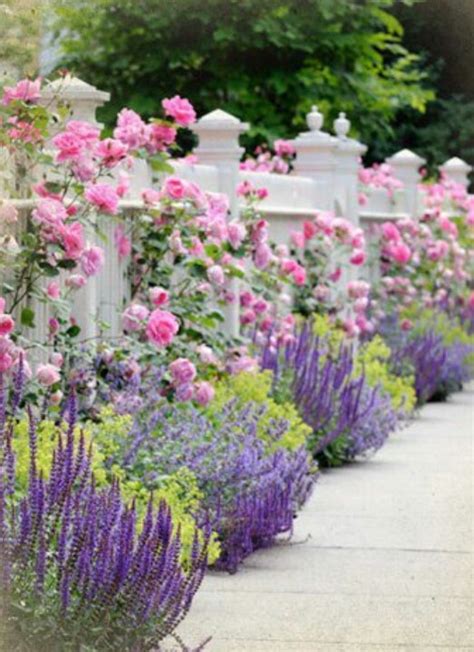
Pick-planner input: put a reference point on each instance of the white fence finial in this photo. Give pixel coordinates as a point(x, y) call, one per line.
point(457, 170)
point(406, 167)
point(315, 158)
point(341, 125)
point(84, 99)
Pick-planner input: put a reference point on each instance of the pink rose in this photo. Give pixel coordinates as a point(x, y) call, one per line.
point(236, 233)
point(92, 260)
point(299, 275)
point(162, 327)
point(206, 354)
point(160, 136)
point(248, 317)
point(390, 232)
point(298, 239)
point(260, 306)
point(7, 324)
point(203, 393)
point(180, 109)
point(53, 290)
point(358, 257)
point(47, 375)
point(151, 196)
point(262, 256)
point(6, 361)
point(49, 212)
point(159, 296)
point(284, 147)
point(184, 393)
point(111, 151)
point(122, 242)
point(103, 197)
point(84, 130)
point(25, 91)
point(57, 360)
point(309, 230)
point(75, 281)
point(133, 317)
point(182, 371)
point(215, 274)
point(70, 147)
point(400, 252)
point(174, 188)
point(73, 240)
point(131, 129)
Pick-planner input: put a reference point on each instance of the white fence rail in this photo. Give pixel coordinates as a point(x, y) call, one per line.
point(325, 177)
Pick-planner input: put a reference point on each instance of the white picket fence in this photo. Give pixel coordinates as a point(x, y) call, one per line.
point(325, 177)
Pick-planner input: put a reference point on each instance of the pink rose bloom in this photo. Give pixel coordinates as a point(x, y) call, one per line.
point(400, 252)
point(390, 232)
point(262, 193)
point(358, 239)
point(174, 188)
point(53, 326)
point(160, 137)
point(49, 212)
point(336, 275)
point(151, 196)
point(282, 251)
point(134, 316)
point(244, 188)
point(84, 130)
point(92, 260)
point(350, 327)
point(246, 298)
point(53, 290)
point(262, 256)
point(25, 91)
point(75, 281)
point(236, 233)
point(7, 324)
point(248, 317)
point(197, 247)
point(362, 199)
point(288, 265)
point(215, 274)
point(103, 197)
point(358, 257)
point(131, 129)
point(111, 151)
point(123, 185)
point(260, 306)
point(309, 229)
point(162, 327)
point(299, 275)
point(203, 393)
point(241, 364)
point(284, 147)
point(321, 293)
point(360, 305)
point(159, 296)
point(73, 240)
point(47, 375)
point(206, 354)
point(358, 289)
point(70, 147)
point(184, 393)
point(298, 239)
point(180, 109)
point(182, 371)
point(122, 242)
point(6, 361)
point(406, 325)
point(84, 169)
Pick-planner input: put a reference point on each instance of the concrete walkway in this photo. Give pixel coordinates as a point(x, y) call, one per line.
point(381, 559)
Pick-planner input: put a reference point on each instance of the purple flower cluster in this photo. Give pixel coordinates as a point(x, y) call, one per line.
point(251, 488)
point(346, 415)
point(77, 568)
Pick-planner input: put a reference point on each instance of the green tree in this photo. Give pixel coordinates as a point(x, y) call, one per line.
point(266, 61)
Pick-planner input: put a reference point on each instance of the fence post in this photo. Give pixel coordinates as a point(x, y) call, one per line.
point(219, 134)
point(457, 170)
point(406, 165)
point(315, 158)
point(83, 100)
point(347, 155)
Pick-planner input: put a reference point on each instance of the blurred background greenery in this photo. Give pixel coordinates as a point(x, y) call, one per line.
point(403, 70)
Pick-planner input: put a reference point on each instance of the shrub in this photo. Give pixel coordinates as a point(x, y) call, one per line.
point(76, 571)
point(251, 486)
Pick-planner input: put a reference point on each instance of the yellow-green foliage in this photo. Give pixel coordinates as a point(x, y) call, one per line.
point(333, 335)
point(180, 489)
point(373, 359)
point(256, 387)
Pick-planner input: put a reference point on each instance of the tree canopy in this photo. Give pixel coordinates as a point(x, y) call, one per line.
point(264, 61)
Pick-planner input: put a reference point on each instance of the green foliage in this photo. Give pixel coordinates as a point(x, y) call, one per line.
point(256, 388)
point(265, 61)
point(373, 359)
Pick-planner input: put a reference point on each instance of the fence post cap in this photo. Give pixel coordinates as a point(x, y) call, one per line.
point(73, 88)
point(455, 164)
point(406, 157)
point(341, 125)
point(220, 120)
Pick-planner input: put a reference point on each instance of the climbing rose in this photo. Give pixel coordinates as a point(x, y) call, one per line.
point(111, 151)
point(53, 290)
point(104, 197)
point(204, 393)
point(174, 188)
point(47, 375)
point(182, 371)
point(130, 129)
point(49, 212)
point(162, 327)
point(358, 257)
point(70, 147)
point(159, 296)
point(92, 260)
point(7, 324)
point(215, 274)
point(25, 90)
point(133, 316)
point(400, 252)
point(73, 240)
point(180, 109)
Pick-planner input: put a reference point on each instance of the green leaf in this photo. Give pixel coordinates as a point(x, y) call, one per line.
point(27, 317)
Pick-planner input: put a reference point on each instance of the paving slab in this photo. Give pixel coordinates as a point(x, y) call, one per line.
point(381, 559)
